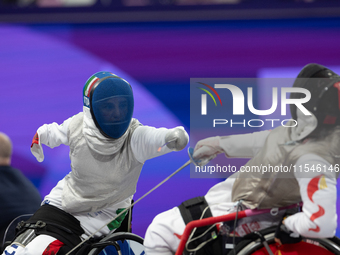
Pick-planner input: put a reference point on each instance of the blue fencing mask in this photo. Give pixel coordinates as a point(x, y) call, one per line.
point(110, 99)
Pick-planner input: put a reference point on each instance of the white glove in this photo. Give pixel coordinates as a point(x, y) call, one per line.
point(176, 139)
point(206, 149)
point(36, 148)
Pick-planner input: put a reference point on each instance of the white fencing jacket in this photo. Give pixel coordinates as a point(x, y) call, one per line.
point(313, 166)
point(104, 171)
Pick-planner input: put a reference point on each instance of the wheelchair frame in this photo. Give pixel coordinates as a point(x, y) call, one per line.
point(228, 217)
point(121, 234)
point(332, 245)
point(112, 239)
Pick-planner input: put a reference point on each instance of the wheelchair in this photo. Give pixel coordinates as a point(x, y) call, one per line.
point(120, 242)
point(123, 243)
point(10, 230)
point(250, 245)
point(256, 243)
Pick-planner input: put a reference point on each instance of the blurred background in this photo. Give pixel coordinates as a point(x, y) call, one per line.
point(49, 48)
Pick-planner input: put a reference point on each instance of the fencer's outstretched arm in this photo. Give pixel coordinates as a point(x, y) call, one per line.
point(233, 146)
point(318, 218)
point(52, 135)
point(149, 142)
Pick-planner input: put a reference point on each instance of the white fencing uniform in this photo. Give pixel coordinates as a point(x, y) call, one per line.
point(316, 189)
point(104, 173)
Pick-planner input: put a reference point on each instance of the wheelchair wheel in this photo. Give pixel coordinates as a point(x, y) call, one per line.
point(322, 246)
point(10, 231)
point(122, 243)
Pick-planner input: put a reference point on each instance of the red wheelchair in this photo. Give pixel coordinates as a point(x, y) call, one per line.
point(260, 242)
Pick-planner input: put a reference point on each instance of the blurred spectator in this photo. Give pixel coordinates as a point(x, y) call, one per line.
point(17, 194)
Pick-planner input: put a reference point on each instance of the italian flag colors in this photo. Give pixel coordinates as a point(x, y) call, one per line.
point(93, 79)
point(90, 82)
